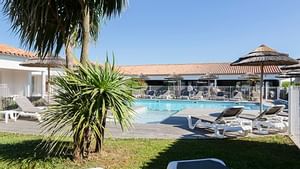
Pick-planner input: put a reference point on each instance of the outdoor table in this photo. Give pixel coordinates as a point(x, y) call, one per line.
point(13, 114)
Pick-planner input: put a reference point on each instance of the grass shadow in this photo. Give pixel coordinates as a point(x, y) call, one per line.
point(246, 153)
point(25, 154)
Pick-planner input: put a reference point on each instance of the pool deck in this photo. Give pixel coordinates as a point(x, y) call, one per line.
point(174, 127)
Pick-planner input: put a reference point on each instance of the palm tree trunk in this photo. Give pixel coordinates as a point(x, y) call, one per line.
point(99, 142)
point(76, 152)
point(69, 55)
point(87, 140)
point(85, 33)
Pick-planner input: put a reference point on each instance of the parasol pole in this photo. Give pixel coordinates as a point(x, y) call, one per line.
point(208, 84)
point(261, 86)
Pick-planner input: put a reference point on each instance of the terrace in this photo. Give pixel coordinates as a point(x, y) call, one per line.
point(80, 114)
point(167, 134)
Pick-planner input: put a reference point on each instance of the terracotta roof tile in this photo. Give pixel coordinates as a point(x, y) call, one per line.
point(193, 69)
point(167, 69)
point(8, 50)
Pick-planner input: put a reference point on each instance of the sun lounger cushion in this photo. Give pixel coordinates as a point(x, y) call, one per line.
point(206, 118)
point(197, 164)
point(271, 111)
point(26, 105)
point(213, 117)
point(200, 165)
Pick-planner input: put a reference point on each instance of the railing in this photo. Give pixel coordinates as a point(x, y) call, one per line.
point(211, 92)
point(5, 100)
point(294, 114)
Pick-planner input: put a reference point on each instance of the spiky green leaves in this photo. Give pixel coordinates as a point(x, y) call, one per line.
point(84, 97)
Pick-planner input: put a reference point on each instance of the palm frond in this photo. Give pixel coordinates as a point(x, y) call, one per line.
point(45, 26)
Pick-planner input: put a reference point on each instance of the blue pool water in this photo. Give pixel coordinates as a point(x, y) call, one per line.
point(158, 110)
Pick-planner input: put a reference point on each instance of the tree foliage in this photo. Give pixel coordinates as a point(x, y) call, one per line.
point(46, 25)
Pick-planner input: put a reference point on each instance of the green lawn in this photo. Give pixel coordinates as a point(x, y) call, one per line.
point(274, 152)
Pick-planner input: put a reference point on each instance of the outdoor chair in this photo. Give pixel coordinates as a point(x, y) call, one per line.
point(184, 94)
point(167, 95)
point(268, 119)
point(237, 97)
point(220, 95)
point(27, 109)
point(150, 94)
point(207, 163)
point(137, 94)
point(255, 95)
point(282, 102)
point(221, 122)
point(198, 96)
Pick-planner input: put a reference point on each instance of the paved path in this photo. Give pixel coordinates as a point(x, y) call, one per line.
point(162, 131)
point(173, 127)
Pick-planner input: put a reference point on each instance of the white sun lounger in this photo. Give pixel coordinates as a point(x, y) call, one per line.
point(207, 163)
point(224, 121)
point(9, 114)
point(167, 95)
point(27, 108)
point(268, 119)
point(237, 97)
point(199, 96)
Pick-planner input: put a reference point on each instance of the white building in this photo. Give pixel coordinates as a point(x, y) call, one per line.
point(28, 81)
point(20, 80)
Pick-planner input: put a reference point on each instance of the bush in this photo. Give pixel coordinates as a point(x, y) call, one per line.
point(7, 103)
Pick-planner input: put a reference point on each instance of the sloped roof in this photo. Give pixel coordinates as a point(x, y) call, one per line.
point(9, 50)
point(195, 69)
point(166, 69)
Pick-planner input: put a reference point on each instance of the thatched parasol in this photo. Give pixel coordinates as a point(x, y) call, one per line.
point(201, 82)
point(283, 76)
point(262, 56)
point(289, 74)
point(292, 67)
point(249, 76)
point(143, 77)
point(48, 62)
point(173, 78)
point(209, 76)
point(293, 73)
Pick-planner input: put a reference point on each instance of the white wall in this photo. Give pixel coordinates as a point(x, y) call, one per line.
point(19, 78)
point(16, 81)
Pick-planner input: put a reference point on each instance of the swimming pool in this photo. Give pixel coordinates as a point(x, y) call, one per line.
point(158, 110)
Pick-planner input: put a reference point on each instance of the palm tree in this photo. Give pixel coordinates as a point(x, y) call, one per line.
point(45, 26)
point(84, 98)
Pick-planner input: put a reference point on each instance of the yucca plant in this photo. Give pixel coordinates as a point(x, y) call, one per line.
point(84, 96)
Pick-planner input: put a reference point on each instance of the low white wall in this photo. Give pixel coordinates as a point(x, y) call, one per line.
point(294, 115)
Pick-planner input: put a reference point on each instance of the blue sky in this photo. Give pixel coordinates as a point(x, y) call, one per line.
point(192, 31)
